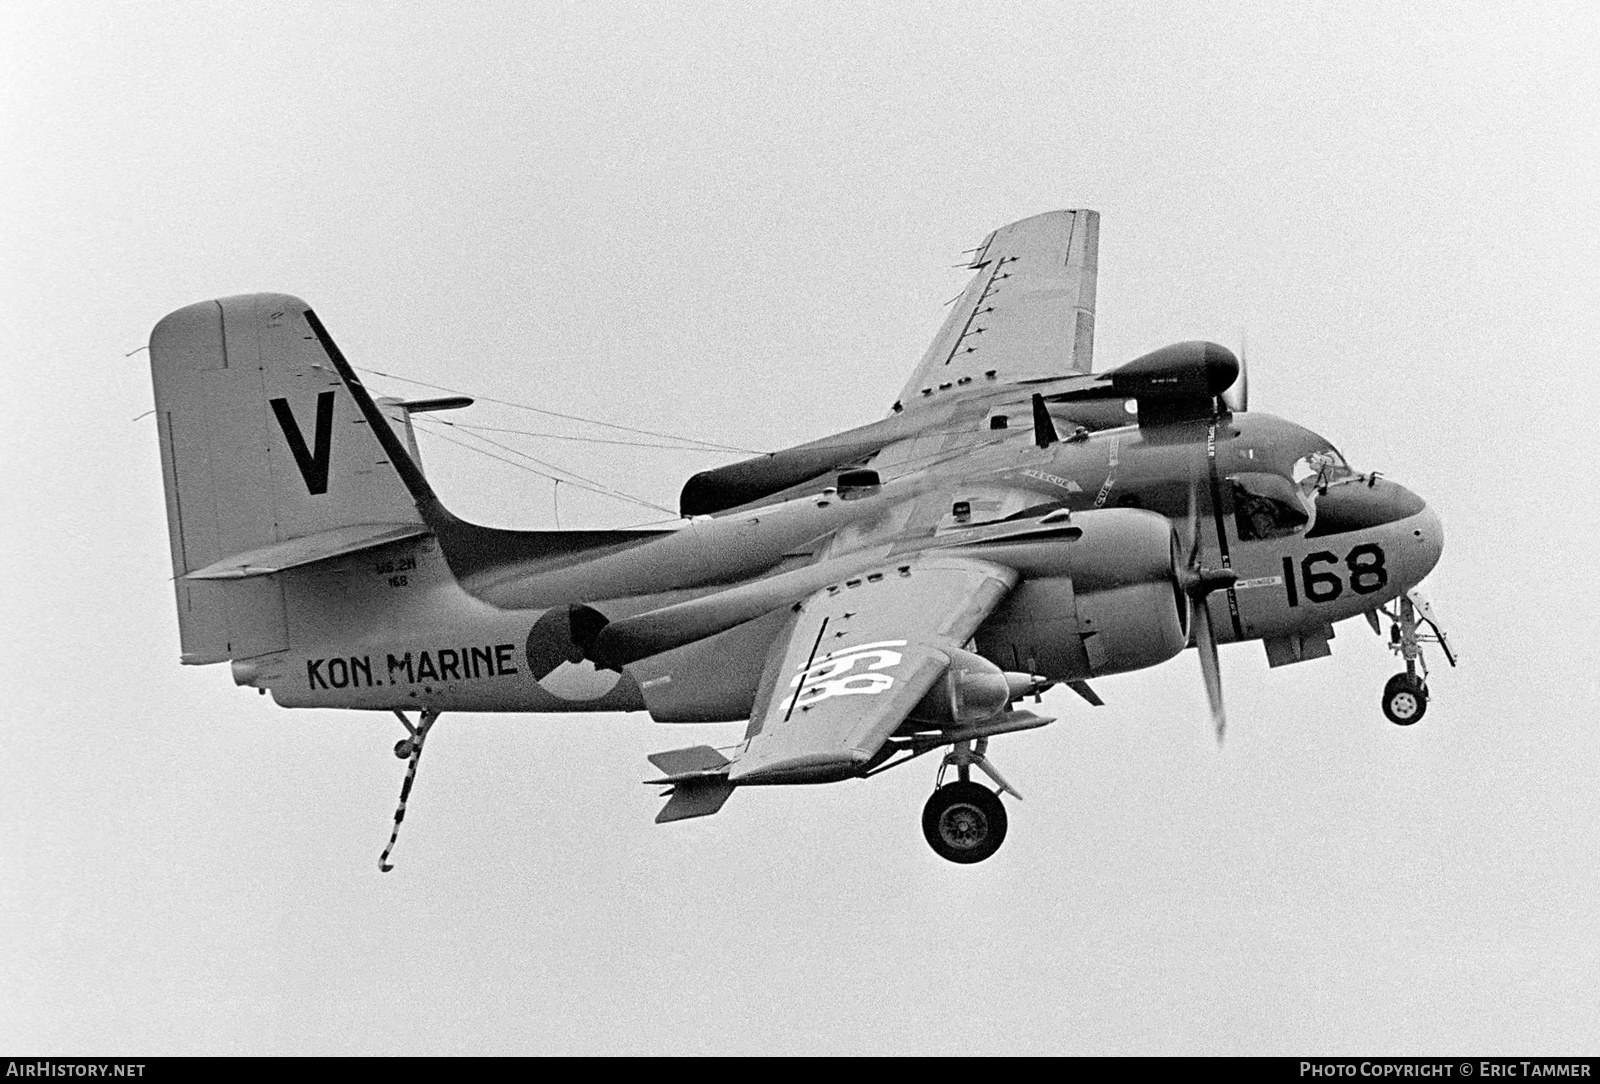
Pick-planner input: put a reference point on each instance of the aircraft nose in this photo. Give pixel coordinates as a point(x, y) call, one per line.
point(1428, 533)
point(1371, 503)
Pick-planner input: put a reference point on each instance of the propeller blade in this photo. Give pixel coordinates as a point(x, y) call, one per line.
point(1205, 642)
point(1192, 525)
point(1198, 583)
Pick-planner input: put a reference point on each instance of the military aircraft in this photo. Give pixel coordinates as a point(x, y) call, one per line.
point(1017, 520)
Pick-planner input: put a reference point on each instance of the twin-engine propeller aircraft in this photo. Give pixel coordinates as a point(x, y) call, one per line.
point(1015, 522)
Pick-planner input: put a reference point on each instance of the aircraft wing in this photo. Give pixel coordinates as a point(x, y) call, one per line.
point(858, 658)
point(1027, 314)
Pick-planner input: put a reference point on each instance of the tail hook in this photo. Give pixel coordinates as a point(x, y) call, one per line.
point(412, 748)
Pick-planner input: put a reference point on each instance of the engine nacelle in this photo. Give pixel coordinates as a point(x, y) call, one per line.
point(1052, 630)
point(1110, 602)
point(1130, 628)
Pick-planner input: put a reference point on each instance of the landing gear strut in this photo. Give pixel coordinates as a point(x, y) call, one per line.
point(1405, 696)
point(964, 821)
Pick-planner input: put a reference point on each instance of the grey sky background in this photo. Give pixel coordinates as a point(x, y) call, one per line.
point(739, 222)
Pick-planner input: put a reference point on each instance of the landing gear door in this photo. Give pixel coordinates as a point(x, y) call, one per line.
point(1430, 616)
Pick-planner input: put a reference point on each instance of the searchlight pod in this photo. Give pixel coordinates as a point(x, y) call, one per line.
point(1180, 382)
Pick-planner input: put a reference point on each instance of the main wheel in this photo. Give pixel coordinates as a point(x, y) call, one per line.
point(402, 748)
point(1405, 699)
point(964, 822)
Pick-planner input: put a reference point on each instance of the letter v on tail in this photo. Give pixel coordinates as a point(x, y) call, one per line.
point(313, 462)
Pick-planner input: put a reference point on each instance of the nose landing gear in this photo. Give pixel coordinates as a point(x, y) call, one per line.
point(1405, 696)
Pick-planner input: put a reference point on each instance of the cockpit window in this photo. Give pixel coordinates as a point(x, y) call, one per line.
point(1314, 473)
point(1269, 506)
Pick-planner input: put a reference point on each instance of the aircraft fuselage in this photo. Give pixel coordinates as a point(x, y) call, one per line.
point(415, 637)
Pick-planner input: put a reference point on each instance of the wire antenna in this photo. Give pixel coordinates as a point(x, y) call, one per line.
point(568, 417)
point(573, 478)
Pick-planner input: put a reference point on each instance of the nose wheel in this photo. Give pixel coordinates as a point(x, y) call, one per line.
point(1405, 699)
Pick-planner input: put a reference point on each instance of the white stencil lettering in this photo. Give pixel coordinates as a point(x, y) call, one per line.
point(834, 675)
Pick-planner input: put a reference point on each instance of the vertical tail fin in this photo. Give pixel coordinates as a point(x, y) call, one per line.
point(259, 446)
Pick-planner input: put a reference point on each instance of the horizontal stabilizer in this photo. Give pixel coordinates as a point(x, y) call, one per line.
point(692, 763)
point(699, 798)
point(443, 402)
point(306, 550)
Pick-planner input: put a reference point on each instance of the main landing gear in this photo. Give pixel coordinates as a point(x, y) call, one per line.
point(1405, 696)
point(964, 821)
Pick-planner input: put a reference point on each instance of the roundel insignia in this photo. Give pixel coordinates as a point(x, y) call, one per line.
point(558, 664)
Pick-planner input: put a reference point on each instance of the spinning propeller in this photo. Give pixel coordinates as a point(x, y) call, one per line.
point(1198, 582)
point(1179, 385)
point(1237, 396)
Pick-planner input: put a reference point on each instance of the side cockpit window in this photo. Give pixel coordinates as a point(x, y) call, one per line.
point(1269, 506)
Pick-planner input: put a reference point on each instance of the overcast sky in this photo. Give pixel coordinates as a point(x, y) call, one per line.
point(739, 222)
